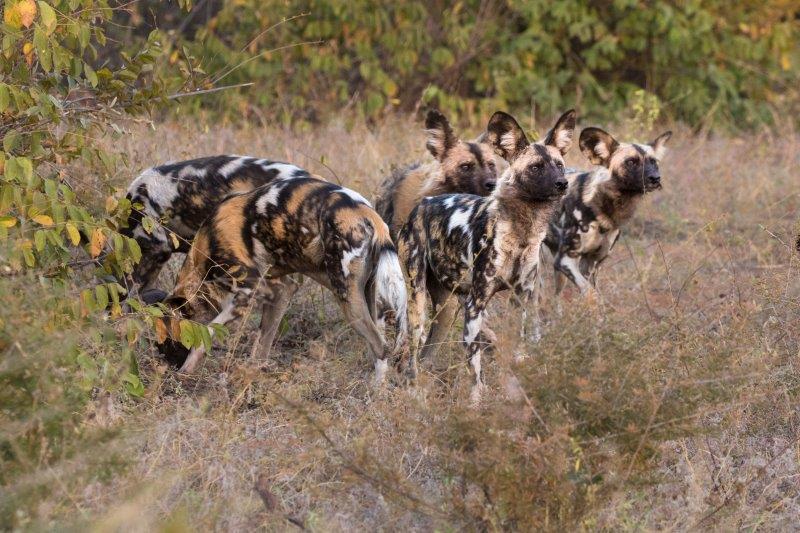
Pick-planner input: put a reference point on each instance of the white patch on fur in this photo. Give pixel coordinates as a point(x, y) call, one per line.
point(381, 366)
point(597, 178)
point(577, 214)
point(472, 330)
point(285, 170)
point(460, 219)
point(271, 197)
point(231, 166)
point(161, 189)
point(351, 254)
point(355, 196)
point(224, 316)
point(571, 264)
point(509, 142)
point(390, 289)
point(190, 171)
point(563, 138)
point(602, 150)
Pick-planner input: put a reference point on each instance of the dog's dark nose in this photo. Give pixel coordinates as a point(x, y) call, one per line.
point(655, 180)
point(561, 185)
point(490, 185)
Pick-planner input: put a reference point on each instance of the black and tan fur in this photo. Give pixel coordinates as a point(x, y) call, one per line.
point(253, 241)
point(180, 196)
point(475, 246)
point(600, 202)
point(458, 167)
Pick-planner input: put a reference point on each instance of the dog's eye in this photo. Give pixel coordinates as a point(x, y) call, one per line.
point(631, 162)
point(652, 160)
point(466, 166)
point(560, 166)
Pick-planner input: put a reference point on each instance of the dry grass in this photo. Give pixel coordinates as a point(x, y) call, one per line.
point(678, 410)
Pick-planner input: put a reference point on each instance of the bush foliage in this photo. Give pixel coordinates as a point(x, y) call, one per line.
point(706, 61)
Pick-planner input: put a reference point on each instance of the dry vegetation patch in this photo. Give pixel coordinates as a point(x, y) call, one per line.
point(671, 405)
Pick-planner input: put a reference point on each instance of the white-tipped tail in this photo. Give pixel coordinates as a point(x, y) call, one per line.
point(390, 290)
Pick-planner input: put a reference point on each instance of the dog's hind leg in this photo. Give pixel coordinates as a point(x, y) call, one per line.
point(357, 312)
point(277, 296)
point(445, 307)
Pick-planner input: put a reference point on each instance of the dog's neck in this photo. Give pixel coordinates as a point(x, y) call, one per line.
point(612, 206)
point(527, 218)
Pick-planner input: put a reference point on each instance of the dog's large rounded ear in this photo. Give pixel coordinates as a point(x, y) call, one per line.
point(440, 134)
point(560, 136)
point(505, 136)
point(598, 146)
point(660, 144)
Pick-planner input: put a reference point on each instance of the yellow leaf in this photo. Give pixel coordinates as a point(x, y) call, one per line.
point(73, 233)
point(27, 51)
point(161, 331)
point(20, 13)
point(8, 222)
point(786, 62)
point(175, 241)
point(111, 204)
point(97, 242)
point(44, 220)
point(27, 12)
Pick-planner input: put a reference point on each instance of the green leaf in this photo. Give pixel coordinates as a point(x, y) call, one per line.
point(91, 75)
point(136, 251)
point(187, 334)
point(204, 334)
point(101, 295)
point(11, 141)
point(133, 385)
point(48, 16)
point(39, 240)
point(87, 301)
point(5, 97)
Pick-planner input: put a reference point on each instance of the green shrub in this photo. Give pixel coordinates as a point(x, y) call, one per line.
point(707, 61)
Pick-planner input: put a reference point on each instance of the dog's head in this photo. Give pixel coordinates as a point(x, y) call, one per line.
point(467, 167)
point(633, 167)
point(536, 170)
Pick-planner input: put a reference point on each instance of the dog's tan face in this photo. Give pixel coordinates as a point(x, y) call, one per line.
point(634, 167)
point(468, 167)
point(536, 171)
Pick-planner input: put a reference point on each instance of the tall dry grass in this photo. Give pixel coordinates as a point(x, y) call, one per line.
point(674, 406)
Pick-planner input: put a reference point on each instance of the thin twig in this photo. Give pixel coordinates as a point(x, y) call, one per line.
point(206, 91)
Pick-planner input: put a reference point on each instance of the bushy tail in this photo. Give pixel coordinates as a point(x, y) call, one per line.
point(390, 292)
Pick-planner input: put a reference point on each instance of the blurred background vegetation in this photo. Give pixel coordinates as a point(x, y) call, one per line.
point(705, 62)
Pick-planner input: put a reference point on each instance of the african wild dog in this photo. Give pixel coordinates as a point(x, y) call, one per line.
point(475, 246)
point(180, 196)
point(459, 167)
point(253, 241)
point(599, 202)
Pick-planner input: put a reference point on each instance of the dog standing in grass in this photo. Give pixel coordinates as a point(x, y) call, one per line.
point(459, 167)
point(599, 203)
point(178, 197)
point(253, 241)
point(474, 246)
